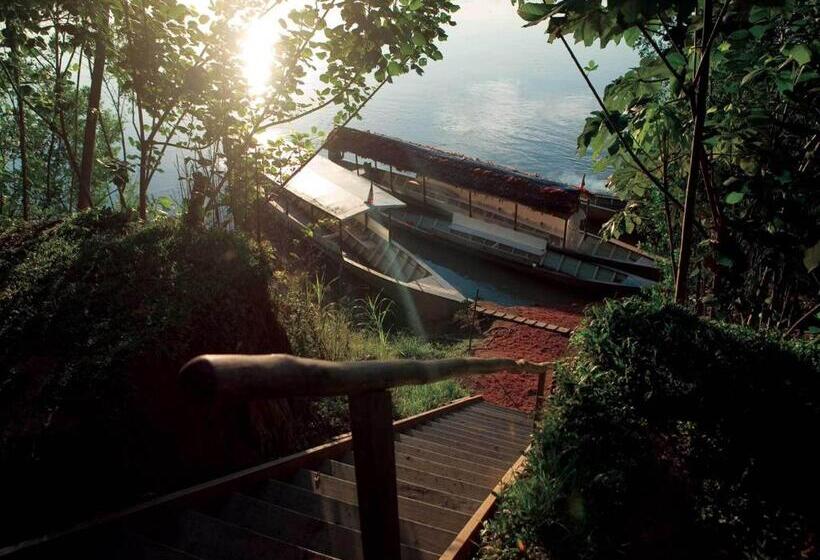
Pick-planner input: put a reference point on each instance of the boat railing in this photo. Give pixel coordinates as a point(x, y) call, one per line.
point(367, 386)
point(477, 208)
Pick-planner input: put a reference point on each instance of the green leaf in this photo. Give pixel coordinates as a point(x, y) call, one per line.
point(751, 76)
point(734, 197)
point(531, 11)
point(166, 202)
point(800, 54)
point(811, 258)
point(394, 68)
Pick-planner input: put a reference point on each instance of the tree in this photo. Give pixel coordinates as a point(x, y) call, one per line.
point(667, 131)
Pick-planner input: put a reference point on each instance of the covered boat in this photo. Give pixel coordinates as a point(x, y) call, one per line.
point(496, 195)
point(525, 253)
point(337, 205)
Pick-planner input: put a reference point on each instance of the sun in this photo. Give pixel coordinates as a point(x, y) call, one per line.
point(257, 48)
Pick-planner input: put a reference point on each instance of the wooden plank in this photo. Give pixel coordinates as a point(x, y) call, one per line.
point(511, 412)
point(502, 425)
point(371, 423)
point(466, 443)
point(463, 546)
point(491, 418)
point(498, 431)
point(463, 464)
point(441, 469)
point(414, 476)
point(521, 422)
point(413, 534)
point(293, 527)
point(463, 452)
point(503, 439)
point(409, 508)
point(450, 436)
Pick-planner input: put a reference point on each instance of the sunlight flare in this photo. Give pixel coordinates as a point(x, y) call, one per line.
point(257, 47)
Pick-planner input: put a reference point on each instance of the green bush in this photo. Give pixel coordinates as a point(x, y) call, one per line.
point(671, 437)
point(97, 315)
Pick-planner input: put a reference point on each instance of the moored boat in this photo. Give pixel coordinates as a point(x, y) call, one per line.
point(337, 206)
point(539, 261)
point(507, 201)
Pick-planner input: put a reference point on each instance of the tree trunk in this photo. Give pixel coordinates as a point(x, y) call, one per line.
point(90, 133)
point(21, 126)
point(143, 204)
point(701, 89)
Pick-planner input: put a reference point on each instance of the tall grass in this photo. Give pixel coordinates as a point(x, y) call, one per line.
point(319, 327)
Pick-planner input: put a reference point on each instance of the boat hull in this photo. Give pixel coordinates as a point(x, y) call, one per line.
point(426, 308)
point(526, 267)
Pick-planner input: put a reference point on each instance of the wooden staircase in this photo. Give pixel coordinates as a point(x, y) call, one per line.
point(444, 469)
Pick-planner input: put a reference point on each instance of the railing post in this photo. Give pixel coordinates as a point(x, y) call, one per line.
point(371, 423)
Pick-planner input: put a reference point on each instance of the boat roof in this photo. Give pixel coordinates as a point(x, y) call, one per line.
point(532, 190)
point(337, 191)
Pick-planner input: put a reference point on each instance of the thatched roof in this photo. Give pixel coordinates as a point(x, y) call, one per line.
point(531, 190)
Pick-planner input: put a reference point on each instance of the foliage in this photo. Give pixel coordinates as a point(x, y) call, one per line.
point(670, 436)
point(97, 315)
point(319, 327)
point(173, 76)
point(755, 164)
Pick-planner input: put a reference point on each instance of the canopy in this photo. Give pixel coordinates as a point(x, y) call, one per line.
point(338, 191)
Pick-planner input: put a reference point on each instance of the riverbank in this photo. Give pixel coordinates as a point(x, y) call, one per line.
point(508, 339)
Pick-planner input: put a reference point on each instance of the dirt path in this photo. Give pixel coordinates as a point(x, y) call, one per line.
point(507, 339)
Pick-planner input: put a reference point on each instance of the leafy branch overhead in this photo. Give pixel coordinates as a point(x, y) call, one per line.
point(753, 162)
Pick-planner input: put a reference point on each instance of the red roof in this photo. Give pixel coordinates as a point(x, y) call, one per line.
point(531, 190)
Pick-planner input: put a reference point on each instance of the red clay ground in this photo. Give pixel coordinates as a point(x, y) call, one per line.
point(506, 339)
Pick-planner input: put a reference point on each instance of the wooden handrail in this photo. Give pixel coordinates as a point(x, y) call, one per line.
point(366, 383)
point(282, 375)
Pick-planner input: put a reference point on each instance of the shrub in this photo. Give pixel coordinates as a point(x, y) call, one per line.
point(670, 436)
point(97, 315)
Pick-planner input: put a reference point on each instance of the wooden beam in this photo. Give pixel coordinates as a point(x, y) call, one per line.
point(356, 158)
point(267, 376)
point(515, 218)
point(424, 189)
point(564, 241)
point(371, 423)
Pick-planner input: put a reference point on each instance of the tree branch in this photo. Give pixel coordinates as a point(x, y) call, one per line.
point(649, 175)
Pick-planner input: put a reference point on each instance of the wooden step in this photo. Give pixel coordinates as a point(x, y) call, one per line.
point(347, 472)
point(488, 414)
point(215, 539)
point(511, 412)
point(499, 424)
point(414, 510)
point(497, 412)
point(441, 469)
point(462, 451)
point(495, 431)
point(503, 442)
point(463, 464)
point(449, 437)
point(416, 535)
point(413, 490)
